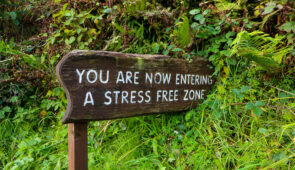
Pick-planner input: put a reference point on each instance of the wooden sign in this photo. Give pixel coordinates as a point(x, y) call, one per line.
point(107, 85)
point(104, 85)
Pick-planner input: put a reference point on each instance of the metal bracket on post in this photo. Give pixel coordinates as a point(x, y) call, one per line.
point(77, 146)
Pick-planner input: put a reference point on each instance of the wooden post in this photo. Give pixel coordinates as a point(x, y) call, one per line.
point(78, 151)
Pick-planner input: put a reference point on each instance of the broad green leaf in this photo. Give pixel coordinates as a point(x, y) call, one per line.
point(170, 46)
point(269, 8)
point(72, 39)
point(198, 17)
point(107, 11)
point(257, 111)
point(165, 52)
point(6, 109)
point(288, 27)
point(206, 11)
point(13, 99)
point(194, 11)
point(176, 49)
point(249, 106)
point(202, 20)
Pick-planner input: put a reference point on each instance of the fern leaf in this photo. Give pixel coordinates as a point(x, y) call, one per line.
point(259, 47)
point(182, 33)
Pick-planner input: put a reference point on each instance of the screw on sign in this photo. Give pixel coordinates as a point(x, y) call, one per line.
point(102, 85)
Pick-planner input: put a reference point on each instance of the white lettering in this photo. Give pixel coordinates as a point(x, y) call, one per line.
point(132, 97)
point(147, 94)
point(183, 79)
point(159, 78)
point(124, 97)
point(107, 77)
point(108, 97)
point(166, 78)
point(128, 77)
point(141, 97)
point(80, 74)
point(120, 77)
point(177, 79)
point(136, 77)
point(116, 96)
point(149, 78)
point(185, 96)
point(88, 76)
point(87, 97)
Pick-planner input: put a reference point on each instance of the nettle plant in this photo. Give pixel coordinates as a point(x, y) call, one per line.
point(78, 29)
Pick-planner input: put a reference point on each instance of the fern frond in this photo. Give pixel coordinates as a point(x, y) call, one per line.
point(182, 33)
point(259, 47)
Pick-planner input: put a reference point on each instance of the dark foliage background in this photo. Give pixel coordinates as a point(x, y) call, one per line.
point(246, 122)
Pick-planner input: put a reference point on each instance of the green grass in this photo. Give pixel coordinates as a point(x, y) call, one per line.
point(246, 122)
point(219, 134)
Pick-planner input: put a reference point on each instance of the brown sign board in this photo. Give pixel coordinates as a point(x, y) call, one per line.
point(103, 85)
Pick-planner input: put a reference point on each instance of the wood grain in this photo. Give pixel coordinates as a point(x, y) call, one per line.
point(77, 146)
point(115, 62)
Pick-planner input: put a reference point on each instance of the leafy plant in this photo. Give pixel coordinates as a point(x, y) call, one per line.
point(257, 46)
point(182, 32)
point(70, 27)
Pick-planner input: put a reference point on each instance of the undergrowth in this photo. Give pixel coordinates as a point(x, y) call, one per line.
point(246, 122)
